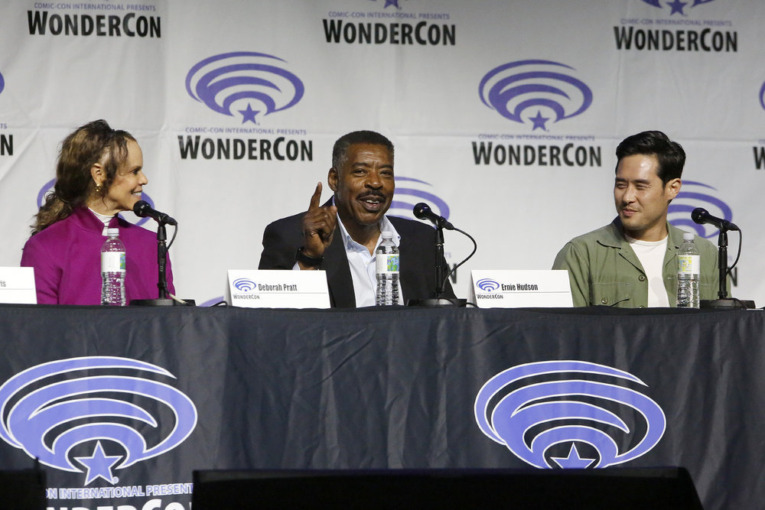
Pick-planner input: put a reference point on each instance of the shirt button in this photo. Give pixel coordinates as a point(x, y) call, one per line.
point(604, 301)
point(641, 277)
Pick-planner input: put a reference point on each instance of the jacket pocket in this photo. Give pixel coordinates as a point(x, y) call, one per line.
point(617, 294)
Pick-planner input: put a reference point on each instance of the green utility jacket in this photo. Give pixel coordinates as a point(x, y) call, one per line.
point(604, 270)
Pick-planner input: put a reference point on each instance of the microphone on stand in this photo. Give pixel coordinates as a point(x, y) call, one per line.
point(702, 216)
point(142, 209)
point(423, 212)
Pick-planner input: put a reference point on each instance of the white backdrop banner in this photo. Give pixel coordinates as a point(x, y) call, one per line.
point(505, 114)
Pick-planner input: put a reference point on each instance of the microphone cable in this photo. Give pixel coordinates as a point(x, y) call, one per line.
point(475, 248)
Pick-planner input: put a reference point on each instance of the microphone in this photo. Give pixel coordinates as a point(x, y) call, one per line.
point(423, 212)
point(701, 216)
point(142, 209)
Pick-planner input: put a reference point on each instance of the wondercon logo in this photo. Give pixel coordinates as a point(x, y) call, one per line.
point(762, 95)
point(676, 6)
point(692, 195)
point(569, 414)
point(487, 284)
point(244, 83)
point(86, 415)
point(409, 192)
point(245, 284)
point(2, 83)
point(48, 188)
point(534, 91)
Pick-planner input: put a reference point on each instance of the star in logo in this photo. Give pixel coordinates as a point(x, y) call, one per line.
point(573, 461)
point(99, 465)
point(249, 114)
point(677, 7)
point(394, 3)
point(539, 121)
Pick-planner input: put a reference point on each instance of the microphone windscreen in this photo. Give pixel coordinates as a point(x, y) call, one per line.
point(421, 210)
point(141, 208)
point(699, 215)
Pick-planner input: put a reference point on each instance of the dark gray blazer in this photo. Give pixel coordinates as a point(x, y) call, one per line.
point(282, 238)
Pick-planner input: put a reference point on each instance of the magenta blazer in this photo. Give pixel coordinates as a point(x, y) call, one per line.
point(66, 258)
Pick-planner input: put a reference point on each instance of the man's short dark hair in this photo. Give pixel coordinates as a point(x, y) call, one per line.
point(340, 150)
point(670, 155)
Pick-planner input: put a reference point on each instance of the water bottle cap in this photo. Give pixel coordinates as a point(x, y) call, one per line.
point(387, 234)
point(688, 236)
point(113, 232)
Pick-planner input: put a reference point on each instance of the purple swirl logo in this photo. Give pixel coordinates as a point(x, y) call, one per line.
point(695, 194)
point(244, 83)
point(676, 6)
point(487, 284)
point(2, 83)
point(569, 414)
point(534, 91)
point(762, 96)
point(410, 191)
point(85, 415)
point(245, 284)
point(48, 188)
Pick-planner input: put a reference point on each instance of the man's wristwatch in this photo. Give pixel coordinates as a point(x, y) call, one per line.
point(307, 261)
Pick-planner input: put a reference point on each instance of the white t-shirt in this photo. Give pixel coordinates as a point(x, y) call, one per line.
point(651, 256)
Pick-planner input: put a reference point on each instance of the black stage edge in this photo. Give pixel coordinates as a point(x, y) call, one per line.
point(23, 489)
point(439, 489)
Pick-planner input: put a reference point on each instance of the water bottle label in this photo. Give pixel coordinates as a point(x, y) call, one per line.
point(112, 261)
point(688, 264)
point(387, 263)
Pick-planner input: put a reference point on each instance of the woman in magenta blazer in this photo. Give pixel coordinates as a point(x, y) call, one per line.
point(99, 174)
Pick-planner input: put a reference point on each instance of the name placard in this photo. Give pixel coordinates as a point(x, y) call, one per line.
point(251, 288)
point(521, 289)
point(17, 285)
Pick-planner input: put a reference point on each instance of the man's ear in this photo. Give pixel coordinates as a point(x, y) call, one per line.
point(672, 188)
point(332, 178)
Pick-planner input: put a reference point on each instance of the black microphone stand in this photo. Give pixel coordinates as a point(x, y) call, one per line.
point(162, 260)
point(163, 300)
point(723, 301)
point(722, 263)
point(439, 257)
point(439, 300)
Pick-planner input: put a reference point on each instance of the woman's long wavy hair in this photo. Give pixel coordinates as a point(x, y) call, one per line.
point(90, 144)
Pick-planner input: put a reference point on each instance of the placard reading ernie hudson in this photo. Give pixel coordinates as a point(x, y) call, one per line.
point(520, 289)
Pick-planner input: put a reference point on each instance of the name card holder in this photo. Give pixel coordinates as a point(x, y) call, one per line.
point(17, 285)
point(249, 288)
point(520, 289)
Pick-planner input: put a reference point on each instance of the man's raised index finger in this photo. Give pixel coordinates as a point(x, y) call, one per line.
point(315, 199)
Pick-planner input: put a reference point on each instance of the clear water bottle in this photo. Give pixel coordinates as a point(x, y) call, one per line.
point(387, 271)
point(113, 269)
point(688, 268)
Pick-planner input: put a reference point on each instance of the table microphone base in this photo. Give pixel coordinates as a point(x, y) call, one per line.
point(438, 302)
point(727, 304)
point(161, 302)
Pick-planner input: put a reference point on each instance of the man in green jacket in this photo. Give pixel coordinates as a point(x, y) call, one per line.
point(632, 263)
